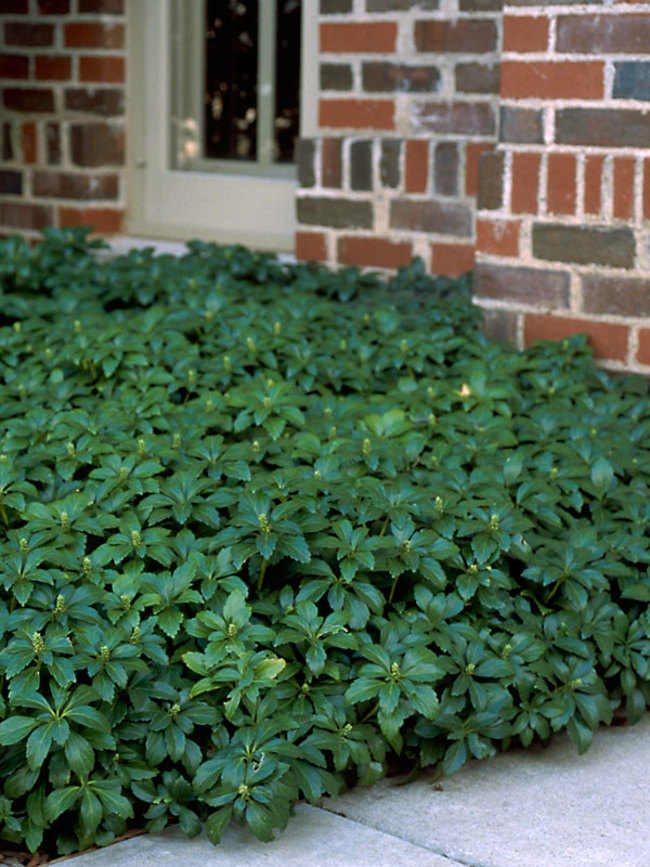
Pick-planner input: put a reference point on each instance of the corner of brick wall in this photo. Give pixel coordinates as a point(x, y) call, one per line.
point(62, 74)
point(563, 240)
point(407, 104)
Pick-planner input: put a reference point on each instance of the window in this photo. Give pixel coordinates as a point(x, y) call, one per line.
point(218, 95)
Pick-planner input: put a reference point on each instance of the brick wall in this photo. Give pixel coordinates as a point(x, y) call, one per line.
point(62, 72)
point(563, 239)
point(408, 101)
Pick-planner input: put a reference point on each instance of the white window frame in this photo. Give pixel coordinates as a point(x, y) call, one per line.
point(226, 207)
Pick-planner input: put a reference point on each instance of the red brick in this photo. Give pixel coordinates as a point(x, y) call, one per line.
point(374, 252)
point(14, 66)
point(525, 182)
point(593, 183)
point(55, 68)
point(92, 34)
point(21, 215)
point(28, 142)
point(358, 37)
point(643, 353)
point(416, 169)
point(552, 80)
point(108, 69)
point(473, 151)
point(104, 221)
point(623, 188)
point(497, 237)
point(452, 260)
point(524, 33)
point(607, 340)
point(331, 163)
point(311, 247)
point(357, 114)
point(561, 184)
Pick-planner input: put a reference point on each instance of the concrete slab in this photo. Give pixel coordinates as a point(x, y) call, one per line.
point(313, 838)
point(527, 808)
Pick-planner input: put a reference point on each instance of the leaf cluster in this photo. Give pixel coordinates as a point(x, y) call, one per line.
point(265, 527)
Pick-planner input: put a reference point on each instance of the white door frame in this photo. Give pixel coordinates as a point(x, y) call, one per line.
point(180, 205)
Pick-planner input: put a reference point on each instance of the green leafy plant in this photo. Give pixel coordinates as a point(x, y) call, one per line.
point(266, 530)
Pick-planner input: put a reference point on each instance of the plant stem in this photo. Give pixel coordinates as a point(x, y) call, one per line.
point(371, 713)
point(260, 579)
point(392, 589)
point(556, 587)
point(385, 525)
point(3, 514)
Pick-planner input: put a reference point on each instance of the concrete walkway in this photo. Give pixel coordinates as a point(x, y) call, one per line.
point(525, 808)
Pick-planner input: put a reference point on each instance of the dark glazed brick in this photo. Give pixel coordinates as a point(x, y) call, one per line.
point(70, 185)
point(563, 2)
point(11, 182)
point(462, 118)
point(53, 143)
point(381, 77)
point(305, 157)
point(490, 180)
point(621, 296)
point(7, 143)
point(102, 7)
point(444, 217)
point(108, 102)
point(476, 78)
point(33, 35)
point(389, 171)
point(26, 216)
point(463, 35)
point(602, 127)
point(445, 169)
point(481, 5)
point(584, 246)
point(499, 325)
point(53, 7)
point(602, 34)
point(335, 76)
point(14, 7)
point(632, 80)
point(541, 288)
point(402, 5)
point(521, 125)
point(96, 144)
point(334, 7)
point(332, 163)
point(335, 213)
point(14, 66)
point(28, 99)
point(361, 165)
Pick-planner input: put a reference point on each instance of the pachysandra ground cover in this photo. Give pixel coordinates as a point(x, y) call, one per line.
point(267, 529)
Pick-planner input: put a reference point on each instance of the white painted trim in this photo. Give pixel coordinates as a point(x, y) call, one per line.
point(163, 203)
